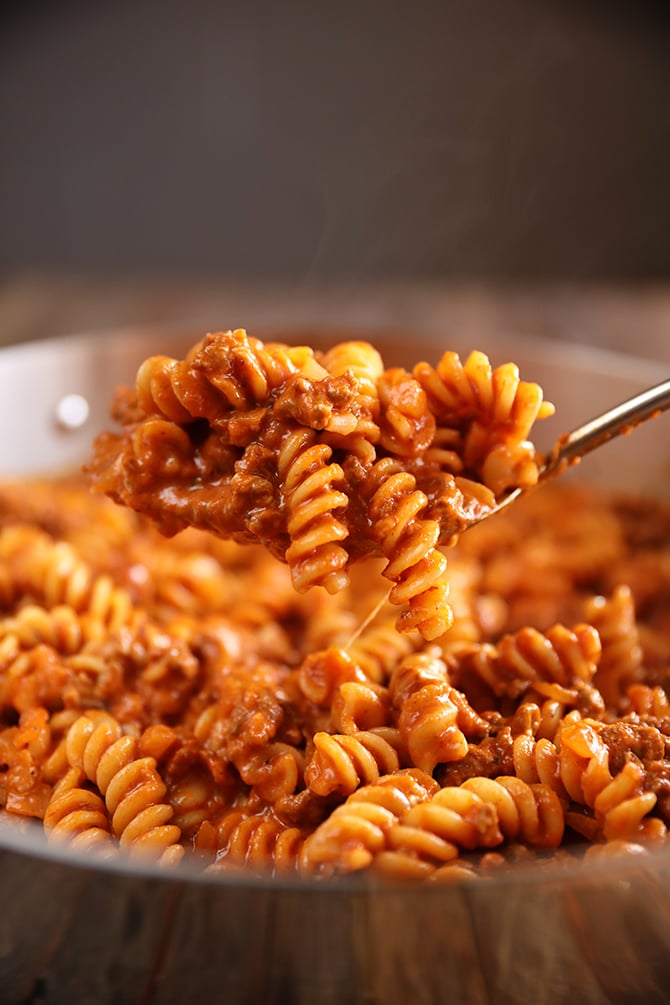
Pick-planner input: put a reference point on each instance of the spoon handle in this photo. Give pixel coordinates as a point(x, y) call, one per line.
point(620, 419)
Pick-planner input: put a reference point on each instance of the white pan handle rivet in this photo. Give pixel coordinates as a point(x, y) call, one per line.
point(72, 411)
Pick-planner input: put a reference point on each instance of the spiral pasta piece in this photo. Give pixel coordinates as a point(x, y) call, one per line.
point(68, 630)
point(321, 675)
point(358, 358)
point(64, 587)
point(537, 762)
point(132, 788)
point(246, 371)
point(76, 816)
point(225, 371)
point(620, 803)
point(532, 813)
point(59, 574)
point(359, 706)
point(621, 662)
point(407, 426)
point(553, 718)
point(261, 843)
point(314, 555)
point(560, 655)
point(35, 677)
point(646, 701)
point(445, 451)
point(357, 831)
point(192, 799)
point(342, 762)
point(427, 715)
point(613, 850)
point(61, 627)
point(349, 840)
point(497, 397)
point(496, 411)
point(409, 543)
point(456, 390)
point(623, 806)
point(584, 762)
point(176, 390)
point(362, 362)
point(273, 772)
point(436, 829)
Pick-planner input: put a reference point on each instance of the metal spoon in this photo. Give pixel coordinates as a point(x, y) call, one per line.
point(571, 447)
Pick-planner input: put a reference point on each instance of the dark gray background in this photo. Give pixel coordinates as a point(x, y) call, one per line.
point(309, 140)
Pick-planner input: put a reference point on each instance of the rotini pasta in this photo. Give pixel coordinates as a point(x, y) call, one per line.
point(530, 813)
point(357, 831)
point(621, 662)
point(314, 555)
point(131, 786)
point(493, 409)
point(409, 542)
point(619, 802)
point(77, 816)
point(560, 655)
point(323, 458)
point(257, 842)
point(428, 717)
point(191, 696)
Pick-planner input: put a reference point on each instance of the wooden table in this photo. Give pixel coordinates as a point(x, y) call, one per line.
point(628, 319)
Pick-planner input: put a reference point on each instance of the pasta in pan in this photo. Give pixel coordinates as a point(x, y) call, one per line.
point(191, 697)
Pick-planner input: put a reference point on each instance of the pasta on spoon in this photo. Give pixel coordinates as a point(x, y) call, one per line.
point(324, 457)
